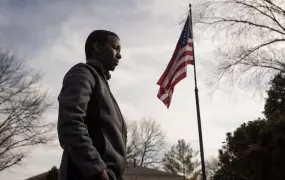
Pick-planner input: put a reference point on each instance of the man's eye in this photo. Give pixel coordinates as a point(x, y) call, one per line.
point(117, 48)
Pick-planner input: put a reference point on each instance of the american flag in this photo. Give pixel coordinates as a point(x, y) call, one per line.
point(176, 69)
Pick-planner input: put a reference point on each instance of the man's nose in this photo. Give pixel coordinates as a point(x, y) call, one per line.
point(118, 56)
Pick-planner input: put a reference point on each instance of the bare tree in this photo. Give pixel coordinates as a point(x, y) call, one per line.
point(22, 105)
point(180, 159)
point(132, 153)
point(146, 140)
point(254, 36)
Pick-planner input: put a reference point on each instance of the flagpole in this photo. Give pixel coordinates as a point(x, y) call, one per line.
point(197, 105)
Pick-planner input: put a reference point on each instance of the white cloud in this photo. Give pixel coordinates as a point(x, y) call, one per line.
point(149, 31)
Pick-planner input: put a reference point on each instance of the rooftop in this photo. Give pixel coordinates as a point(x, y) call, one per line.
point(130, 170)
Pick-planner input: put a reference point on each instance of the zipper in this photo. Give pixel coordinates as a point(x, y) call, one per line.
point(122, 119)
point(123, 134)
point(118, 109)
point(114, 100)
point(122, 131)
point(117, 106)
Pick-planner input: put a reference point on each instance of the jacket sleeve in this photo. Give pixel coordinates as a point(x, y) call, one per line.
point(72, 132)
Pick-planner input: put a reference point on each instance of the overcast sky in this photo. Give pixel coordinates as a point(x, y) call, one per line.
point(50, 35)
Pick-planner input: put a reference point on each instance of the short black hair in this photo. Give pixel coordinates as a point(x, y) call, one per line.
point(100, 36)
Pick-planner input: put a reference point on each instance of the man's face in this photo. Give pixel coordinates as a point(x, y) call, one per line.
point(110, 53)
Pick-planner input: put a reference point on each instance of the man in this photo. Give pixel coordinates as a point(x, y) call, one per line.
point(91, 128)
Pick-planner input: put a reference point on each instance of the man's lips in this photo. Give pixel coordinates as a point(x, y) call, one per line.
point(116, 62)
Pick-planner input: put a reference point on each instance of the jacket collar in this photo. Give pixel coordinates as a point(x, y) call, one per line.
point(100, 67)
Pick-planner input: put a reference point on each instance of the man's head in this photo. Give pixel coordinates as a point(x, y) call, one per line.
point(105, 47)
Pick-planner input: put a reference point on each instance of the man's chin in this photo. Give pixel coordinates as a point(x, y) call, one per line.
point(113, 68)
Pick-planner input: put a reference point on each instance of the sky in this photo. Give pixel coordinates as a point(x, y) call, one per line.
point(50, 37)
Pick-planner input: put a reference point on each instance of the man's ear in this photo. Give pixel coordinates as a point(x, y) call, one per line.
point(97, 47)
